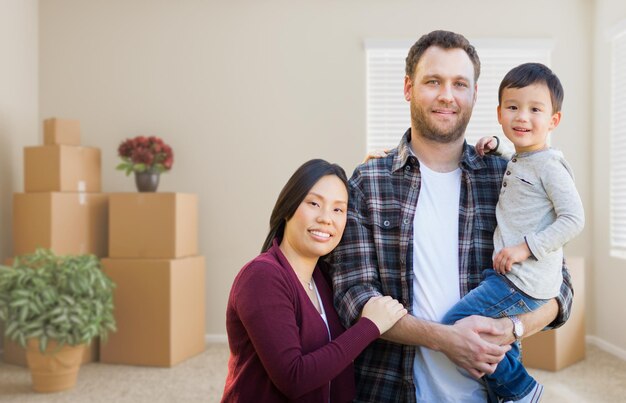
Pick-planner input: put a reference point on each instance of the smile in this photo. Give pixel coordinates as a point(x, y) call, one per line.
point(444, 111)
point(521, 130)
point(320, 234)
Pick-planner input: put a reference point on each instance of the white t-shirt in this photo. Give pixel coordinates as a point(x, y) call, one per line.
point(436, 285)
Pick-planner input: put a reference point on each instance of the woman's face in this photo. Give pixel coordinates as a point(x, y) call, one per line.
point(317, 225)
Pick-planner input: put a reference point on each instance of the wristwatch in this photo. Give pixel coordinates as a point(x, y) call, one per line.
point(518, 327)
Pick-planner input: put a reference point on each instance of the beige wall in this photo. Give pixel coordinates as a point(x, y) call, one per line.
point(245, 91)
point(609, 273)
point(18, 104)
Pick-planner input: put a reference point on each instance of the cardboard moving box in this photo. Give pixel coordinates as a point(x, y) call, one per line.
point(556, 349)
point(61, 168)
point(16, 355)
point(61, 131)
point(153, 225)
point(159, 310)
point(67, 223)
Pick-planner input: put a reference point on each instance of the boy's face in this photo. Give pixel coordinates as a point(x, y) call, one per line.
point(526, 116)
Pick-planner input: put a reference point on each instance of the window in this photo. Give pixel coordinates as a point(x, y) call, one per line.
point(388, 113)
point(618, 145)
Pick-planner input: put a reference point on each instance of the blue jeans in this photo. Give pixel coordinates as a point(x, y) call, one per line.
point(496, 297)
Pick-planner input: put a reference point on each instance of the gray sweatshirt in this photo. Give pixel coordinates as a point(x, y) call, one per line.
point(538, 205)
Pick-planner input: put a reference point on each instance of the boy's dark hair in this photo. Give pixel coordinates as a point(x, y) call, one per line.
point(445, 40)
point(534, 73)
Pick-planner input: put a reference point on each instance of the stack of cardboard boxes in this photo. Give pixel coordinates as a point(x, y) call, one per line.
point(160, 294)
point(62, 208)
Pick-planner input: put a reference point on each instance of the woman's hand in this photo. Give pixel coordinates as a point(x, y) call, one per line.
point(384, 312)
point(376, 154)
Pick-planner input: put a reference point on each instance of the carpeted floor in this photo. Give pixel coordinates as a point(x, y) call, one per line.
point(600, 378)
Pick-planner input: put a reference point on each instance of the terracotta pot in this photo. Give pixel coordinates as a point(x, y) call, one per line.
point(53, 370)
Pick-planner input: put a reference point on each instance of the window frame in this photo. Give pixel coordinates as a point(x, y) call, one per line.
point(617, 176)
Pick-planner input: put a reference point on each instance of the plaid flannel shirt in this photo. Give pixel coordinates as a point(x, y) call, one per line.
point(375, 256)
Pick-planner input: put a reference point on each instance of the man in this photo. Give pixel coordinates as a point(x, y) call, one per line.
point(420, 228)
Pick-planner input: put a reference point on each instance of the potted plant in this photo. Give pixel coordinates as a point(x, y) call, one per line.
point(147, 157)
point(53, 306)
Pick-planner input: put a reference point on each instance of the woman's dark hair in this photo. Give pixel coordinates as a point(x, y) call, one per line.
point(295, 190)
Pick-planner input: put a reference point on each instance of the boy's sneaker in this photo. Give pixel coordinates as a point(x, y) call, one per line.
point(533, 397)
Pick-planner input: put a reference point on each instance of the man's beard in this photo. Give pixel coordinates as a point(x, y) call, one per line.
point(423, 123)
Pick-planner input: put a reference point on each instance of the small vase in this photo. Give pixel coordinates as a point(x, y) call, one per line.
point(147, 181)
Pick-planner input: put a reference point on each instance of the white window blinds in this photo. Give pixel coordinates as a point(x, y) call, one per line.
point(388, 114)
point(618, 147)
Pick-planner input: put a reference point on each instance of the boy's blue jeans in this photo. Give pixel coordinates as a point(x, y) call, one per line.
point(495, 297)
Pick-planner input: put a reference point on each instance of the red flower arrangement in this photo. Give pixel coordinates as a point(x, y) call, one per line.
point(143, 154)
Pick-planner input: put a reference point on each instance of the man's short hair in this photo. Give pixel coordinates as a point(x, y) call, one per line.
point(444, 40)
point(533, 73)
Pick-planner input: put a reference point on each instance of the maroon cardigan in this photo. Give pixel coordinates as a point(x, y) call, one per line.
point(279, 348)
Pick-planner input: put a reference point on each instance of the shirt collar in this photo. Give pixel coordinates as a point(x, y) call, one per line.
point(405, 154)
point(470, 160)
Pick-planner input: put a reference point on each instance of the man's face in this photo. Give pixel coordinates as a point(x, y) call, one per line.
point(442, 94)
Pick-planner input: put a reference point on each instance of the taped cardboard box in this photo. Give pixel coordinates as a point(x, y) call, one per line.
point(556, 349)
point(67, 223)
point(62, 168)
point(159, 310)
point(61, 131)
point(14, 353)
point(153, 225)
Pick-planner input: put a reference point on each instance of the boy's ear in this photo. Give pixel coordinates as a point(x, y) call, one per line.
point(499, 114)
point(555, 120)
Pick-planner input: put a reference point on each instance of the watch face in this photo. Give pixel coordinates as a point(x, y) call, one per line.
point(518, 329)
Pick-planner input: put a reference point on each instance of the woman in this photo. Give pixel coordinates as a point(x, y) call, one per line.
point(285, 338)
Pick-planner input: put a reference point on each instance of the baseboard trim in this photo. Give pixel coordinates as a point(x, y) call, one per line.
point(216, 338)
point(606, 346)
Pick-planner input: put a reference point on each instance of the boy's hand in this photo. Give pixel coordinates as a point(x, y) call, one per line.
point(486, 144)
point(503, 261)
point(376, 154)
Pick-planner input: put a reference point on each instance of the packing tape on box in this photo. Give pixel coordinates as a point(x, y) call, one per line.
point(82, 199)
point(82, 186)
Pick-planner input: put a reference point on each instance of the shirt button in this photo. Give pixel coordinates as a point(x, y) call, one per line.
point(406, 221)
point(408, 167)
point(504, 184)
point(414, 186)
point(508, 172)
point(514, 160)
point(386, 223)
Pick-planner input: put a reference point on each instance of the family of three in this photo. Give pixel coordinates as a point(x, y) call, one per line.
point(415, 280)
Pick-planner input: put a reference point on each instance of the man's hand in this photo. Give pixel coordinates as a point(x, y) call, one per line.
point(486, 144)
point(503, 261)
point(504, 335)
point(467, 349)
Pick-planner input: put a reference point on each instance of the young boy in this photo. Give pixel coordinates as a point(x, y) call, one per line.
point(538, 211)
